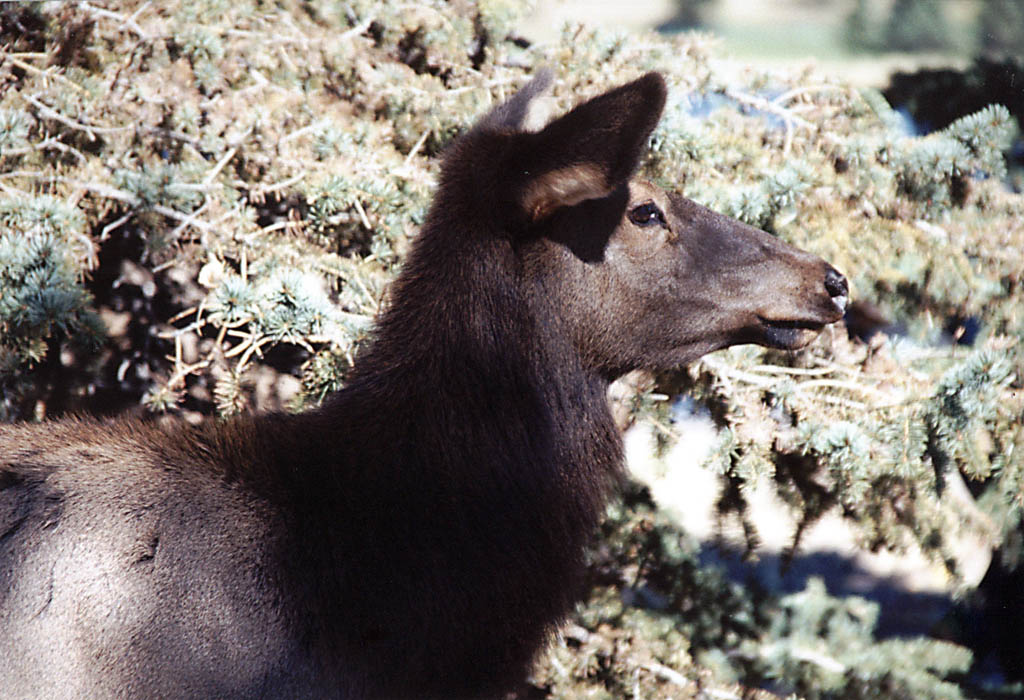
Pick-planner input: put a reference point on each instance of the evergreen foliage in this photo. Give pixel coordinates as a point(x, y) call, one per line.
point(1001, 28)
point(658, 616)
point(688, 14)
point(850, 663)
point(273, 161)
point(42, 301)
point(859, 28)
point(917, 25)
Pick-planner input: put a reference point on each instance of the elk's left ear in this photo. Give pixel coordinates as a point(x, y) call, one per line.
point(512, 115)
point(590, 151)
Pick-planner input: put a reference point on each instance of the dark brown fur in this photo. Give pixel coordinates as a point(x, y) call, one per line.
point(422, 532)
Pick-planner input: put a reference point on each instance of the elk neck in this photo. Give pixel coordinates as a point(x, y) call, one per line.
point(472, 377)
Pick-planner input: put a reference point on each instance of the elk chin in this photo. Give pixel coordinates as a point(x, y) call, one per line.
point(788, 335)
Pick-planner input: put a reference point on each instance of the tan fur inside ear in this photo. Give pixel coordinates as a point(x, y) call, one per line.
point(564, 187)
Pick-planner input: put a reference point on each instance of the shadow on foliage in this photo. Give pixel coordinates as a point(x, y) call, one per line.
point(936, 97)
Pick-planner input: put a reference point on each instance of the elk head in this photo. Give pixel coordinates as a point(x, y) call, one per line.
point(641, 277)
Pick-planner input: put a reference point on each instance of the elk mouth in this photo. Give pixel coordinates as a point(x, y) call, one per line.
point(791, 334)
point(788, 335)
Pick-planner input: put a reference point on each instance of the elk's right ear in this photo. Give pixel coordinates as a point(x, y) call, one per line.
point(590, 151)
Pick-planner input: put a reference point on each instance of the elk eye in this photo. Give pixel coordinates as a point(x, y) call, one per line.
point(647, 214)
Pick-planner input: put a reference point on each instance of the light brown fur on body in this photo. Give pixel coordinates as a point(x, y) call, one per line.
point(422, 533)
point(133, 532)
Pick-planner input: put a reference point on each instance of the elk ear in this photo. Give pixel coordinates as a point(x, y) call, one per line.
point(592, 150)
point(512, 115)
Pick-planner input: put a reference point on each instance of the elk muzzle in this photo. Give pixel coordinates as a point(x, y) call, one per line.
point(797, 320)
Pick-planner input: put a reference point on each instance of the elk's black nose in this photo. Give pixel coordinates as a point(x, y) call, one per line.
point(835, 285)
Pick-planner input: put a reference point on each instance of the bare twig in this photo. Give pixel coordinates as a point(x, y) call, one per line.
point(818, 659)
point(416, 147)
point(776, 369)
point(125, 21)
point(788, 118)
point(362, 214)
point(13, 191)
point(50, 142)
point(220, 165)
point(728, 375)
point(177, 317)
point(667, 674)
point(50, 72)
point(119, 195)
point(766, 106)
point(805, 90)
point(176, 135)
point(276, 227)
point(838, 384)
point(105, 233)
point(319, 124)
point(183, 370)
point(358, 29)
point(276, 187)
point(203, 226)
point(91, 131)
point(190, 220)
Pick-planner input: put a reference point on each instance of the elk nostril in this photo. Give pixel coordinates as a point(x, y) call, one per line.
point(835, 285)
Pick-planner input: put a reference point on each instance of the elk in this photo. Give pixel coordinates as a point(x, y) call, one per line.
point(422, 532)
